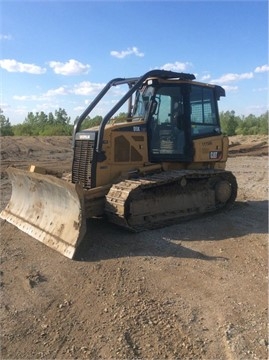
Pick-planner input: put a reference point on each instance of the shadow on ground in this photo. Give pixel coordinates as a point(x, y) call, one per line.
point(106, 241)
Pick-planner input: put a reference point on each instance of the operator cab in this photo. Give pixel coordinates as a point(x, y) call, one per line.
point(176, 114)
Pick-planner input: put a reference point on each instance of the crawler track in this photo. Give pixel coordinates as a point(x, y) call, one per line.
point(166, 198)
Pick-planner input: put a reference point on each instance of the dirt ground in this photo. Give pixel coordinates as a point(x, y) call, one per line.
point(196, 290)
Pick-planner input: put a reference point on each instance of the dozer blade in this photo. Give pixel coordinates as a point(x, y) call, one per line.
point(49, 209)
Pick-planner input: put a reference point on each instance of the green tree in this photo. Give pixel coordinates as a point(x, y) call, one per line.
point(43, 124)
point(57, 124)
point(248, 126)
point(263, 123)
point(91, 122)
point(61, 117)
point(22, 130)
point(229, 122)
point(122, 116)
point(50, 119)
point(57, 130)
point(35, 123)
point(5, 126)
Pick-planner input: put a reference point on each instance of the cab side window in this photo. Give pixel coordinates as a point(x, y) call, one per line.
point(204, 119)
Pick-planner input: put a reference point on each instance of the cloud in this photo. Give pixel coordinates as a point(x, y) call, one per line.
point(79, 109)
point(87, 88)
point(260, 89)
point(4, 106)
point(83, 88)
point(26, 97)
point(130, 51)
point(205, 77)
point(59, 91)
point(260, 69)
point(230, 88)
point(176, 66)
point(231, 77)
point(46, 107)
point(15, 66)
point(42, 97)
point(71, 67)
point(5, 37)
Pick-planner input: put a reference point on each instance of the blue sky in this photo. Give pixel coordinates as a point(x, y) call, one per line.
point(61, 53)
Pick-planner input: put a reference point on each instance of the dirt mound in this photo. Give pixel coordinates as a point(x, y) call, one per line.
point(251, 145)
point(21, 151)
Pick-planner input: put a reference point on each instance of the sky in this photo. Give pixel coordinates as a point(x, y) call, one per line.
point(59, 54)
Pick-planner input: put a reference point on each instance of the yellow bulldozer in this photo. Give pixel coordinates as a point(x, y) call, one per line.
point(161, 163)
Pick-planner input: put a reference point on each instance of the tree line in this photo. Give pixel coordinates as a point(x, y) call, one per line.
point(243, 125)
point(42, 124)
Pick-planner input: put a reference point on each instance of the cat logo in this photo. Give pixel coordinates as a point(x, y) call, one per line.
point(214, 155)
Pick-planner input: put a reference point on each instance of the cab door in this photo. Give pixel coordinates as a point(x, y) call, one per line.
point(168, 124)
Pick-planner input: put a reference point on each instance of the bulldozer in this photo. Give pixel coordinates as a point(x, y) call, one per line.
point(163, 162)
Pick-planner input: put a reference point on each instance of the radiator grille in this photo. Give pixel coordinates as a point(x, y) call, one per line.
point(82, 163)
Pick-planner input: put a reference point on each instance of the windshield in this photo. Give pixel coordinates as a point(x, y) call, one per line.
point(143, 97)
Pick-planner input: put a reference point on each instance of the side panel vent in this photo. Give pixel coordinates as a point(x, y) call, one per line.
point(82, 163)
point(135, 155)
point(122, 149)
